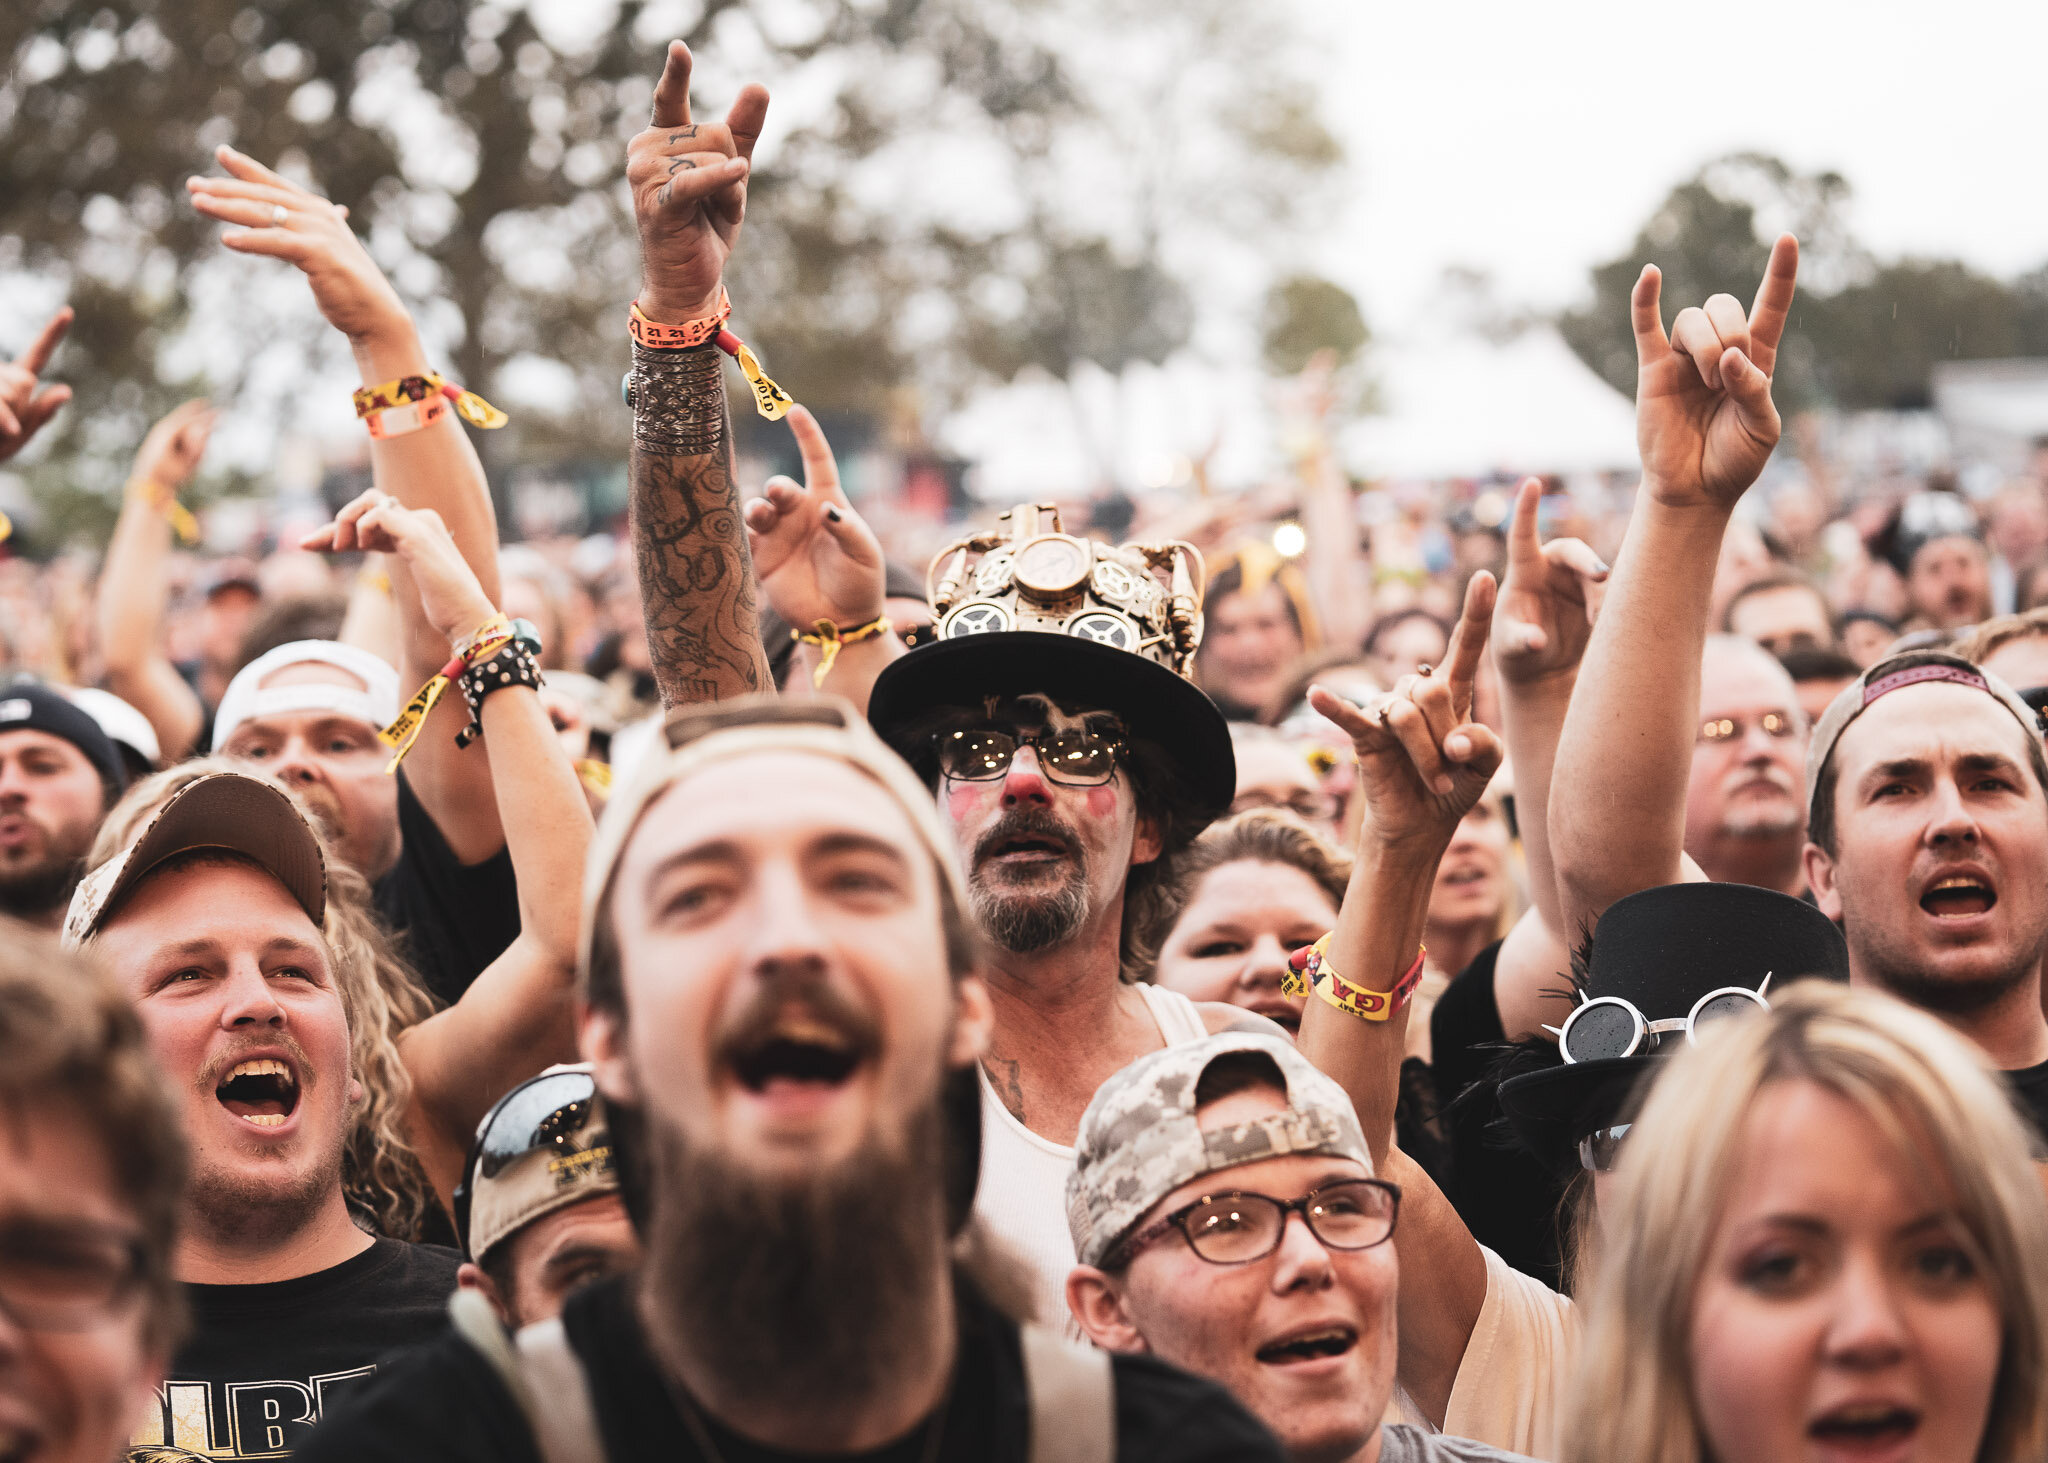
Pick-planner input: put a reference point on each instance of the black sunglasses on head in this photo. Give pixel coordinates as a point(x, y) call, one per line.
point(536, 1114)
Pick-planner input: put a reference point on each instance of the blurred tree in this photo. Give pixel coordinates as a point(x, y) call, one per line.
point(1862, 334)
point(1306, 314)
point(932, 208)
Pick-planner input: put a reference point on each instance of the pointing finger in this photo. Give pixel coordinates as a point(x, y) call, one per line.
point(748, 115)
point(1468, 641)
point(1525, 545)
point(672, 92)
point(1646, 316)
point(821, 468)
point(1774, 303)
point(37, 356)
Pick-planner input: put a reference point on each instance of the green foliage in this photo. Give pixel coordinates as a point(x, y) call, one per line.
point(1862, 335)
point(1305, 314)
point(482, 158)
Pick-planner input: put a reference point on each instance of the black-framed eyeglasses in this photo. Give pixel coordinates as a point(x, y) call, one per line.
point(1607, 1027)
point(70, 1276)
point(1075, 756)
point(1236, 1228)
point(538, 1113)
point(1776, 725)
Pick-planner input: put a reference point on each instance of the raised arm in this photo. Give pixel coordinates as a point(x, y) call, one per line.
point(689, 186)
point(1706, 426)
point(820, 564)
point(1339, 576)
point(517, 1017)
point(129, 602)
point(433, 467)
point(1547, 607)
point(1422, 763)
point(26, 405)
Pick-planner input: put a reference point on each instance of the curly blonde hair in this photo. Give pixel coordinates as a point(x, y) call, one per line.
point(380, 995)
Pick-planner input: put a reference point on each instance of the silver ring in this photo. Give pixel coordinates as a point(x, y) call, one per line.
point(278, 215)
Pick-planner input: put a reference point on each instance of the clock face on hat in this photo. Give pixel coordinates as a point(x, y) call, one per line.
point(1052, 565)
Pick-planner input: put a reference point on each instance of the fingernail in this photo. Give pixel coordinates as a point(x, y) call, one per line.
point(1601, 566)
point(833, 514)
point(1443, 786)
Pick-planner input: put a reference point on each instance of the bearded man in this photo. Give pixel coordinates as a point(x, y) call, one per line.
point(784, 1009)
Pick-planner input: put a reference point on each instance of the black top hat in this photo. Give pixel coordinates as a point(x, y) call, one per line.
point(1089, 626)
point(1661, 950)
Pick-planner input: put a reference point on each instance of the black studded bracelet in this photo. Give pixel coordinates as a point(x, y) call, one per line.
point(517, 664)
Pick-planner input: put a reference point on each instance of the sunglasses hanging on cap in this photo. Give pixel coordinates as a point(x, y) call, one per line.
point(1606, 1027)
point(537, 1114)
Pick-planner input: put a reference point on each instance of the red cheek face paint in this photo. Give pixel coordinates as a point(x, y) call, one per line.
point(961, 801)
point(1101, 802)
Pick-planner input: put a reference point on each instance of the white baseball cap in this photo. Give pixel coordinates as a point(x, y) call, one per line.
point(245, 700)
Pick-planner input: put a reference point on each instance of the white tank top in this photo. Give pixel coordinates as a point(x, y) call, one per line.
point(1022, 1193)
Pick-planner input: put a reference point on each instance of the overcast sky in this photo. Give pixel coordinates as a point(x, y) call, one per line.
point(1530, 140)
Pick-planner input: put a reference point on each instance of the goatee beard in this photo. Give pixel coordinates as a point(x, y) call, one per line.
point(809, 1292)
point(1025, 920)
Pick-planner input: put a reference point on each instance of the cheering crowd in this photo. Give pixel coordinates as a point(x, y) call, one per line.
point(1150, 1001)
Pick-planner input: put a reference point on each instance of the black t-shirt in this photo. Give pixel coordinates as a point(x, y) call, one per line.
point(265, 1362)
point(444, 1404)
point(2030, 1096)
point(1507, 1198)
point(455, 918)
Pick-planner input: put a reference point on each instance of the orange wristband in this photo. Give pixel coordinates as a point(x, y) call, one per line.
point(687, 336)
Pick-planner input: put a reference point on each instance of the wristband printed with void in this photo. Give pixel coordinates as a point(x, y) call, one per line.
point(770, 400)
point(396, 421)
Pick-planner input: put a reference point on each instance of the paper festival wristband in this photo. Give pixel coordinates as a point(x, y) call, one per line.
point(492, 636)
point(829, 638)
point(411, 390)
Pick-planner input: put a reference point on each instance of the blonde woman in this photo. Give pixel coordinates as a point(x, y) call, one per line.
point(1253, 889)
point(1825, 1238)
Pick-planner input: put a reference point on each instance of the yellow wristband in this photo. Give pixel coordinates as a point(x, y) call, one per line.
point(829, 638)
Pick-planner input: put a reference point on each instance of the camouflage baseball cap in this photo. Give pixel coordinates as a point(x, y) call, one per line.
point(1139, 1139)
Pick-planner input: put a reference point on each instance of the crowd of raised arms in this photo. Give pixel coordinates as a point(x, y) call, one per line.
point(1440, 999)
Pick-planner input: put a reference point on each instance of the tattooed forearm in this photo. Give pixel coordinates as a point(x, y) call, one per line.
point(696, 582)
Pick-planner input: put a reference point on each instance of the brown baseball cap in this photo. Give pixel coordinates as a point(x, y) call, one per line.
point(224, 810)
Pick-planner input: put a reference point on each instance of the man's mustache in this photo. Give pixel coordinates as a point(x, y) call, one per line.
point(1025, 823)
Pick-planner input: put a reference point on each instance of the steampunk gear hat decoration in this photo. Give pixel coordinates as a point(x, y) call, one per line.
point(1030, 608)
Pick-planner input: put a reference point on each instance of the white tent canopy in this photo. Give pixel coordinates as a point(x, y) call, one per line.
point(1465, 406)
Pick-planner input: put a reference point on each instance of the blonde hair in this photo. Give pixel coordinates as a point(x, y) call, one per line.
point(1942, 1112)
point(1999, 632)
point(1257, 835)
point(380, 996)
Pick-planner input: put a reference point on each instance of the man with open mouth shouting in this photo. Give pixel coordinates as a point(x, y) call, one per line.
point(784, 1010)
point(211, 921)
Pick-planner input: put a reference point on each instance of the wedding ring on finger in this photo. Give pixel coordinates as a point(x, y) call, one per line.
point(278, 215)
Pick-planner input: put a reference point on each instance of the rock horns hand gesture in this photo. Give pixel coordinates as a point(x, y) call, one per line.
point(689, 185)
point(815, 557)
point(1705, 422)
point(1422, 761)
point(23, 408)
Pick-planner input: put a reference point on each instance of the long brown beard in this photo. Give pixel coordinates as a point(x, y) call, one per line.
point(806, 1294)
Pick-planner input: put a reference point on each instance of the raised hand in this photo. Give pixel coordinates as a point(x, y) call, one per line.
point(275, 216)
point(23, 408)
point(377, 523)
point(170, 454)
point(1705, 422)
point(1550, 598)
point(815, 557)
point(1422, 760)
point(689, 185)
